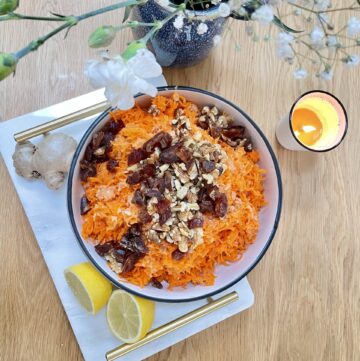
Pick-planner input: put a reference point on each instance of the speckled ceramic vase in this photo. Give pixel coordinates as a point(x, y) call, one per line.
point(179, 47)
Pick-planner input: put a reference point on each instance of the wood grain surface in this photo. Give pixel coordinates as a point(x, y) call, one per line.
point(307, 294)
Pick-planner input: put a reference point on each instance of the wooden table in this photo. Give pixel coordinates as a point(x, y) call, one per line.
point(307, 294)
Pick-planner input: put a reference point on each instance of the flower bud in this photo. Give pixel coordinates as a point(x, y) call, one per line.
point(102, 36)
point(131, 49)
point(7, 6)
point(7, 64)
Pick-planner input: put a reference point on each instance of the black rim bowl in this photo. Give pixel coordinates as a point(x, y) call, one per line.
point(117, 283)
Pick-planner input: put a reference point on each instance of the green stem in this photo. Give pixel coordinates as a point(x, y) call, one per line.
point(159, 24)
point(15, 16)
point(132, 24)
point(72, 21)
point(322, 11)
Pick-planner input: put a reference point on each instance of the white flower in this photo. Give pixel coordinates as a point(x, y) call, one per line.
point(216, 40)
point(202, 28)
point(283, 45)
point(332, 41)
point(326, 74)
point(317, 36)
point(300, 73)
point(353, 26)
point(352, 61)
point(179, 21)
point(122, 80)
point(224, 10)
point(264, 14)
point(163, 3)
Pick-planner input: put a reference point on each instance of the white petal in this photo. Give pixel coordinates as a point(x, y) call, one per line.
point(142, 86)
point(144, 64)
point(97, 73)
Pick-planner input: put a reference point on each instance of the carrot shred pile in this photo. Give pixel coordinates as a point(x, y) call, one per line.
point(225, 240)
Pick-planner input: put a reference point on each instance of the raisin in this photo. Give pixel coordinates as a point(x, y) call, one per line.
point(108, 138)
point(164, 210)
point(157, 183)
point(207, 166)
point(163, 205)
point(87, 169)
point(153, 193)
point(133, 178)
point(169, 155)
point(156, 283)
point(135, 229)
point(248, 146)
point(138, 198)
point(114, 126)
point(221, 205)
point(234, 132)
point(195, 223)
point(103, 249)
point(160, 184)
point(206, 205)
point(97, 139)
point(144, 216)
point(215, 132)
point(88, 153)
point(203, 125)
point(84, 205)
point(163, 217)
point(177, 255)
point(112, 164)
point(130, 262)
point(136, 156)
point(148, 170)
point(162, 140)
point(119, 255)
point(139, 245)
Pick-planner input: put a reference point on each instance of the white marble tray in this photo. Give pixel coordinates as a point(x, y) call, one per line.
point(47, 214)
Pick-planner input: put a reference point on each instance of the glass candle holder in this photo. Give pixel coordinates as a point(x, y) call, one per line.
point(317, 122)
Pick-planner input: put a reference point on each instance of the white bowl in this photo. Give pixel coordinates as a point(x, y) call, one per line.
point(226, 276)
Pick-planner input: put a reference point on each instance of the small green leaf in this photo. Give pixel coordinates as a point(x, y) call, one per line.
point(58, 15)
point(284, 27)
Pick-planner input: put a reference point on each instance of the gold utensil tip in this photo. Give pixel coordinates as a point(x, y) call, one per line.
point(173, 325)
point(60, 122)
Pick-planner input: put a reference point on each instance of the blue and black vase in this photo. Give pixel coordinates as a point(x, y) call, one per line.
point(179, 47)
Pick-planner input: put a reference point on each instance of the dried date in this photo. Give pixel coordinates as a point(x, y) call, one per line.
point(221, 205)
point(136, 156)
point(162, 140)
point(177, 255)
point(156, 283)
point(111, 165)
point(195, 223)
point(84, 205)
point(104, 248)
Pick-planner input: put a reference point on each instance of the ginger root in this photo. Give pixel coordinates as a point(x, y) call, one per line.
point(50, 159)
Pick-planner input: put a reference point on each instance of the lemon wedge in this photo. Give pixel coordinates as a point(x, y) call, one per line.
point(90, 287)
point(129, 317)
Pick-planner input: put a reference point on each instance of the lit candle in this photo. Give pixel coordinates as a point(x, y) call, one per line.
point(317, 122)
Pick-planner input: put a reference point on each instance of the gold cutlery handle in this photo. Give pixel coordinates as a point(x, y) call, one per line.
point(173, 325)
point(60, 122)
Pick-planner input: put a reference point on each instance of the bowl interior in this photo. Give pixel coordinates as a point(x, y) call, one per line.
point(226, 276)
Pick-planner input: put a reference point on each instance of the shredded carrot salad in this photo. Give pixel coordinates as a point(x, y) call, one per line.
point(225, 239)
